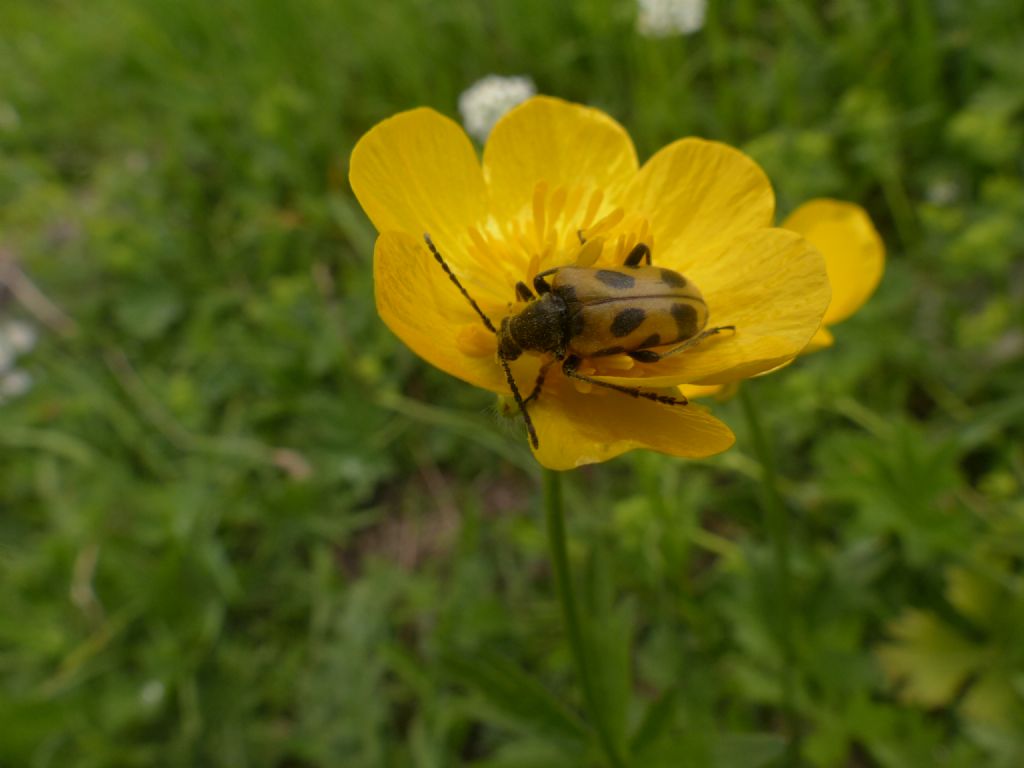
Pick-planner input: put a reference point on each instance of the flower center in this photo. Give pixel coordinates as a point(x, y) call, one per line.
point(561, 226)
point(564, 226)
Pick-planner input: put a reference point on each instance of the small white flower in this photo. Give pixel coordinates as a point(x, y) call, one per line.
point(663, 18)
point(14, 384)
point(942, 192)
point(484, 102)
point(152, 693)
point(20, 336)
point(7, 354)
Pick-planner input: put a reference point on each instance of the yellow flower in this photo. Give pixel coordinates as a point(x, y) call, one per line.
point(854, 256)
point(555, 174)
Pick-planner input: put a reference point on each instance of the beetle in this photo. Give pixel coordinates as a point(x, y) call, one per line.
point(574, 313)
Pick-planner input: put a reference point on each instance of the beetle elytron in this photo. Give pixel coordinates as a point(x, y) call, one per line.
point(585, 312)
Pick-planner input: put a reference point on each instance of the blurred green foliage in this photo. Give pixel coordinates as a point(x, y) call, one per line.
point(241, 525)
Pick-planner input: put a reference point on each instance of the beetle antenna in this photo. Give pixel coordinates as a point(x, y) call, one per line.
point(490, 326)
point(519, 401)
point(454, 279)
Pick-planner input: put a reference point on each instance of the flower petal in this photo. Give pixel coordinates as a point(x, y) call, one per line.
point(561, 143)
point(416, 300)
point(699, 195)
point(822, 340)
point(417, 172)
point(576, 429)
point(853, 250)
point(771, 284)
point(720, 392)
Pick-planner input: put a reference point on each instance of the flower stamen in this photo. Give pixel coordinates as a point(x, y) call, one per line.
point(593, 205)
point(604, 224)
point(557, 204)
point(590, 252)
point(539, 194)
point(616, 363)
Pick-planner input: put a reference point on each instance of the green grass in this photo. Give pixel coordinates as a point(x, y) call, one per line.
point(242, 525)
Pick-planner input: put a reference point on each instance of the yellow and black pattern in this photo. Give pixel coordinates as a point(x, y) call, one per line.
point(614, 311)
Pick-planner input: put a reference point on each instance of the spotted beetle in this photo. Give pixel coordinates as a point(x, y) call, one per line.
point(574, 313)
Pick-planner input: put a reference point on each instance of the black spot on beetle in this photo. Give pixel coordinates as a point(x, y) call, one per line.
point(618, 280)
point(627, 321)
point(673, 279)
point(651, 341)
point(609, 351)
point(686, 320)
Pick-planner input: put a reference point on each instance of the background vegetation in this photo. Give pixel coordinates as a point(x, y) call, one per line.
point(241, 525)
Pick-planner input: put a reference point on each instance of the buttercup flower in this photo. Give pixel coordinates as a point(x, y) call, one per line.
point(559, 185)
point(854, 257)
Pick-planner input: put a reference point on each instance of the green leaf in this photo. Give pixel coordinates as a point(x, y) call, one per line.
point(992, 701)
point(530, 753)
point(607, 635)
point(149, 313)
point(747, 750)
point(512, 697)
point(971, 594)
point(930, 660)
point(655, 723)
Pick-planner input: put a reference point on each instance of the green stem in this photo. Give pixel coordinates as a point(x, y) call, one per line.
point(776, 521)
point(570, 613)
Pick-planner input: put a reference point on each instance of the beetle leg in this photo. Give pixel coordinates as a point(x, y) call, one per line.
point(540, 381)
point(579, 234)
point(571, 364)
point(639, 253)
point(540, 285)
point(523, 292)
point(645, 355)
point(531, 431)
point(650, 356)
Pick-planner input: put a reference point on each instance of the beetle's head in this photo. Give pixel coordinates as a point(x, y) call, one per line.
point(508, 349)
point(538, 327)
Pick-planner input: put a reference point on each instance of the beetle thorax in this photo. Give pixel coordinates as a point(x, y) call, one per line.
point(539, 327)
